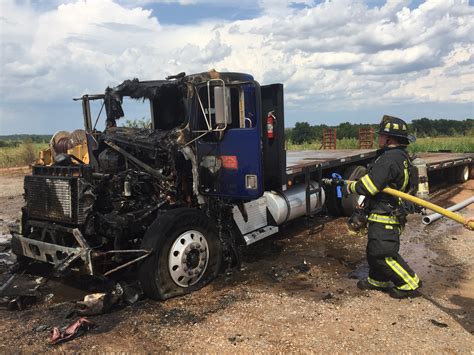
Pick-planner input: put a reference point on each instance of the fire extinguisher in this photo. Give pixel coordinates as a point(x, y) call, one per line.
point(270, 121)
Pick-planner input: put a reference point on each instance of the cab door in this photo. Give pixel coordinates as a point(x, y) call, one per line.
point(230, 161)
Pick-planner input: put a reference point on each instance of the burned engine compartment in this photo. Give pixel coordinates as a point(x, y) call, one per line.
point(108, 204)
point(141, 172)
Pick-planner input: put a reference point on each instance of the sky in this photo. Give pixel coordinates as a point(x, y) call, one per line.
point(339, 60)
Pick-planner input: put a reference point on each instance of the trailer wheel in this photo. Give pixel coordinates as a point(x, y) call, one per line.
point(349, 202)
point(462, 173)
point(186, 254)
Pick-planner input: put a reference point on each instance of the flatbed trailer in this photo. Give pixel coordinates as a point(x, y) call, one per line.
point(352, 164)
point(445, 160)
point(328, 159)
point(325, 159)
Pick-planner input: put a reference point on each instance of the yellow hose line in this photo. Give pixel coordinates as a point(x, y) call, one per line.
point(452, 215)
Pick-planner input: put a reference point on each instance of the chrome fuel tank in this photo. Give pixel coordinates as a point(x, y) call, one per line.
point(290, 204)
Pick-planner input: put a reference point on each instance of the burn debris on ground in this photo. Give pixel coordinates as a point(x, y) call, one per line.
point(303, 267)
point(97, 303)
point(177, 316)
point(72, 331)
point(329, 296)
point(360, 272)
point(20, 291)
point(237, 338)
point(438, 324)
point(279, 273)
point(41, 328)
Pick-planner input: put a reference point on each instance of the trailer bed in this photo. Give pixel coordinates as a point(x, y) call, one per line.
point(437, 161)
point(297, 160)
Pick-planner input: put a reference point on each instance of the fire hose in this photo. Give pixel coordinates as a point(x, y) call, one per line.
point(452, 215)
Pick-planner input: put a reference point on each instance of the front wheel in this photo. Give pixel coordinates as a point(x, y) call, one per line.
point(186, 254)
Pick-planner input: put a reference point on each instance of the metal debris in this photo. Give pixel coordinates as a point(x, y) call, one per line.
point(41, 328)
point(98, 303)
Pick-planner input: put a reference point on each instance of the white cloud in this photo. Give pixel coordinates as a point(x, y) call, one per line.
point(211, 53)
point(336, 54)
point(439, 86)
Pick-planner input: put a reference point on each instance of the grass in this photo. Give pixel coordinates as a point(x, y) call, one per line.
point(345, 143)
point(455, 144)
point(26, 153)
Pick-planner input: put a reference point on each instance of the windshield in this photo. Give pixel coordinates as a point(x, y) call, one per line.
point(161, 102)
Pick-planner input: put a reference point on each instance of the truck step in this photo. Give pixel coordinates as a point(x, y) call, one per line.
point(259, 234)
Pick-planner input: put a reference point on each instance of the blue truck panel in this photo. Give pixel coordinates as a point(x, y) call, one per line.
point(237, 155)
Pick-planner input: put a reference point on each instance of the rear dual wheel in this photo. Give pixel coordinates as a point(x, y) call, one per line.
point(458, 174)
point(186, 254)
point(350, 202)
point(463, 173)
point(347, 204)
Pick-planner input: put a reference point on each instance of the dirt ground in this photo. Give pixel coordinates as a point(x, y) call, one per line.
point(295, 292)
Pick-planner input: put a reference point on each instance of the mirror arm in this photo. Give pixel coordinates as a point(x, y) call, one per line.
point(203, 110)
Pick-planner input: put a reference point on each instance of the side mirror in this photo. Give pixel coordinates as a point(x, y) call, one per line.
point(222, 105)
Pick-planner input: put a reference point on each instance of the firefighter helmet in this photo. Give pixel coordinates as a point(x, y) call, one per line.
point(394, 126)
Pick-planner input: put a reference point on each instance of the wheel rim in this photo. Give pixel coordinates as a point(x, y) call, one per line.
point(188, 258)
point(465, 173)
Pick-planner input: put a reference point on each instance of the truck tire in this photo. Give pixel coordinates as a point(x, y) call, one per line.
point(462, 173)
point(333, 203)
point(349, 202)
point(186, 254)
point(458, 174)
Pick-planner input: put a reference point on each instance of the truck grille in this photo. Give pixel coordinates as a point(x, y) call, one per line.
point(55, 199)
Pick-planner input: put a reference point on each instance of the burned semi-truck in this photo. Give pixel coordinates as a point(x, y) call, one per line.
point(176, 200)
point(179, 200)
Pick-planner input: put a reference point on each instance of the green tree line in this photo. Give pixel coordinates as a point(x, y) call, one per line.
point(15, 140)
point(303, 132)
point(425, 127)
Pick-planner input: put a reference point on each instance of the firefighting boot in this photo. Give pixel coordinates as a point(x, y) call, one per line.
point(366, 285)
point(399, 294)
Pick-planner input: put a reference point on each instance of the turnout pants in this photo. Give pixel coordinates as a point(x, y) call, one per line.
point(385, 264)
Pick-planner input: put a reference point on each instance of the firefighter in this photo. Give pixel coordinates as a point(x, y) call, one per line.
point(386, 215)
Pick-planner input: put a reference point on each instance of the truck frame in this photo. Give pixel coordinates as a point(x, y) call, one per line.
point(178, 201)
